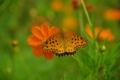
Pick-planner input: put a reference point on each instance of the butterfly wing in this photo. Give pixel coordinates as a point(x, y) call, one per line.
point(73, 42)
point(54, 44)
point(63, 43)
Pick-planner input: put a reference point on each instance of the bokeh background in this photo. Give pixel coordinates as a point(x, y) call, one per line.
point(17, 61)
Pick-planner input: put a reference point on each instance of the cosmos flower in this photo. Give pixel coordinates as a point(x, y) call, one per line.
point(69, 23)
point(112, 14)
point(39, 35)
point(57, 5)
point(105, 33)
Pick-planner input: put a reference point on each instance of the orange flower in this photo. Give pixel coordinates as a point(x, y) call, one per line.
point(39, 36)
point(70, 23)
point(112, 14)
point(57, 5)
point(105, 33)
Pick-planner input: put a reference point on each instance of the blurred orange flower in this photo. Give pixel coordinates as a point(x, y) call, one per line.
point(37, 39)
point(57, 5)
point(70, 23)
point(112, 14)
point(105, 33)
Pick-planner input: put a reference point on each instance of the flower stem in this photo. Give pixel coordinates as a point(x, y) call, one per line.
point(81, 24)
point(81, 64)
point(87, 15)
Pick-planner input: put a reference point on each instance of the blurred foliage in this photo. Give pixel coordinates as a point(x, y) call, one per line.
point(16, 59)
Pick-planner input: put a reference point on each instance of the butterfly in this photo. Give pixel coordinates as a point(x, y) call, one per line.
point(64, 43)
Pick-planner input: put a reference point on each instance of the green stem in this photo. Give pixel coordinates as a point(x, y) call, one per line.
point(81, 64)
point(87, 15)
point(4, 5)
point(98, 65)
point(81, 24)
point(26, 67)
point(13, 66)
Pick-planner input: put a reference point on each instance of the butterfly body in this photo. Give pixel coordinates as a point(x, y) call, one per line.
point(63, 43)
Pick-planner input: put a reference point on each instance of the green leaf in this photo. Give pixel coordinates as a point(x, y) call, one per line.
point(114, 71)
point(115, 48)
point(89, 77)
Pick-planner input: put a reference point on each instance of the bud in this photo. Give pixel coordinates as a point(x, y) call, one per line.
point(75, 4)
point(90, 7)
point(101, 66)
point(14, 43)
point(102, 48)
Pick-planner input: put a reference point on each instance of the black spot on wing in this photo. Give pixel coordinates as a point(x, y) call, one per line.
point(46, 42)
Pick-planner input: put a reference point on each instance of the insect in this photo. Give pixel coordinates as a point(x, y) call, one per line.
point(63, 43)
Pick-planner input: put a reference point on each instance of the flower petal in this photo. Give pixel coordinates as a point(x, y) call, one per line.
point(36, 31)
point(53, 30)
point(106, 33)
point(88, 31)
point(111, 37)
point(37, 51)
point(45, 30)
point(33, 41)
point(48, 55)
point(112, 14)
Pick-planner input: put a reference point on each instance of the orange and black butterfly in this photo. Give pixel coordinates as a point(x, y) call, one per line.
point(64, 43)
